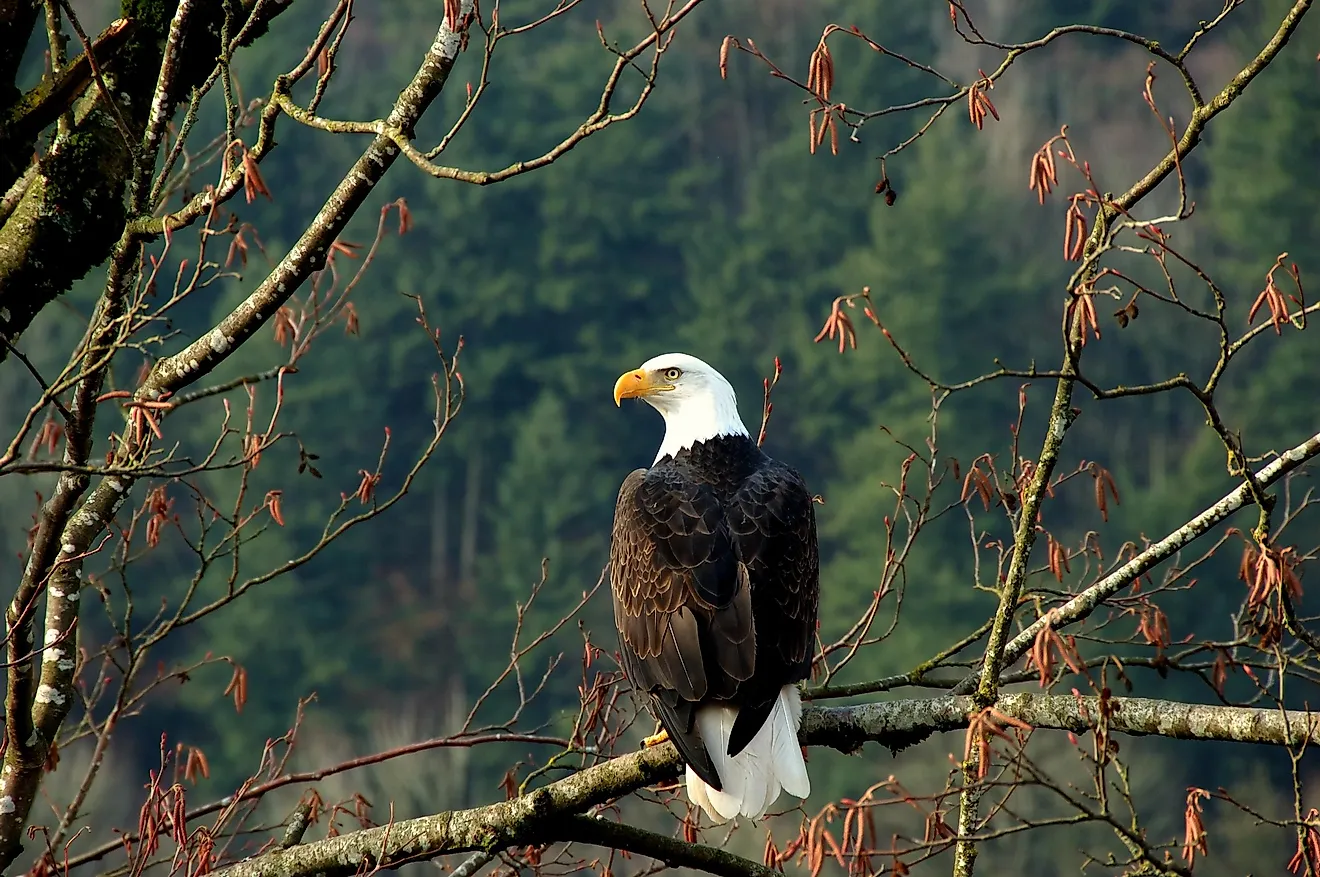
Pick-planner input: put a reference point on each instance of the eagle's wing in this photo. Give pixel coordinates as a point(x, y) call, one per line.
point(682, 602)
point(773, 523)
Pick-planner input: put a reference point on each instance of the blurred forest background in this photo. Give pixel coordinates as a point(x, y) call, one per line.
point(705, 226)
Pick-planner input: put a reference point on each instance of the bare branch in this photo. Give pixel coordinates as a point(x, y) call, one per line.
point(1082, 605)
point(536, 817)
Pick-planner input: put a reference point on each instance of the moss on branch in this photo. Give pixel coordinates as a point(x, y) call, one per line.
point(73, 211)
point(70, 215)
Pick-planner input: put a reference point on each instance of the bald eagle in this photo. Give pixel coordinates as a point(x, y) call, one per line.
point(714, 573)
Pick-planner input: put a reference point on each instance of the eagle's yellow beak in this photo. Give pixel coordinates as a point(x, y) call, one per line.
point(634, 384)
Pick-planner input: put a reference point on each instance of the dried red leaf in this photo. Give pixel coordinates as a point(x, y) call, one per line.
point(981, 727)
point(253, 184)
point(820, 70)
point(1194, 836)
point(769, 854)
point(1219, 675)
point(728, 43)
point(237, 687)
point(978, 103)
point(252, 450)
point(838, 323)
point(1074, 229)
point(1043, 174)
point(405, 216)
point(509, 783)
point(343, 248)
point(1154, 627)
point(273, 499)
point(367, 486)
point(196, 765)
point(284, 327)
point(1307, 857)
point(1277, 302)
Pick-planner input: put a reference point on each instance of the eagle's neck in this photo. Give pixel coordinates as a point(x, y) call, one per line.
point(724, 462)
point(700, 419)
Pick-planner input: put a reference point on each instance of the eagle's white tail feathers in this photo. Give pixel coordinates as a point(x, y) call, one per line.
point(784, 723)
point(753, 778)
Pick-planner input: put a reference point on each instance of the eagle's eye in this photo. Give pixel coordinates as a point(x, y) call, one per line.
point(672, 374)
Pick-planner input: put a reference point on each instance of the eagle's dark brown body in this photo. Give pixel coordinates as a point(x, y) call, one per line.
point(714, 573)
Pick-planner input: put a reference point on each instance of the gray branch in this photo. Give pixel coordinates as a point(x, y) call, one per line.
point(1082, 605)
point(539, 816)
point(308, 254)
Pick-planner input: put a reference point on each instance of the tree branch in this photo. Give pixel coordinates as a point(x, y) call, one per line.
point(64, 539)
point(308, 254)
point(492, 827)
point(40, 107)
point(601, 832)
point(17, 20)
point(71, 214)
point(539, 816)
point(1061, 412)
point(1202, 115)
point(1082, 605)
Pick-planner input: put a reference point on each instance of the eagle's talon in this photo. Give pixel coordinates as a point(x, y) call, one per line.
point(656, 739)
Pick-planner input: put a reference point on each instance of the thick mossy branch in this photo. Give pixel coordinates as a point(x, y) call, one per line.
point(76, 195)
point(540, 815)
point(38, 109)
point(493, 827)
point(70, 216)
point(72, 213)
point(22, 771)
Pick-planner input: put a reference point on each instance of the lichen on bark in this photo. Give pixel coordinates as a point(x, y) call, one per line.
point(73, 212)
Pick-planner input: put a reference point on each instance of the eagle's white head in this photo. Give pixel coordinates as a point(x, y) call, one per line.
point(696, 401)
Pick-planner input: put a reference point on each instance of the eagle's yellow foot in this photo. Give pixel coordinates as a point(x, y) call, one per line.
point(656, 739)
